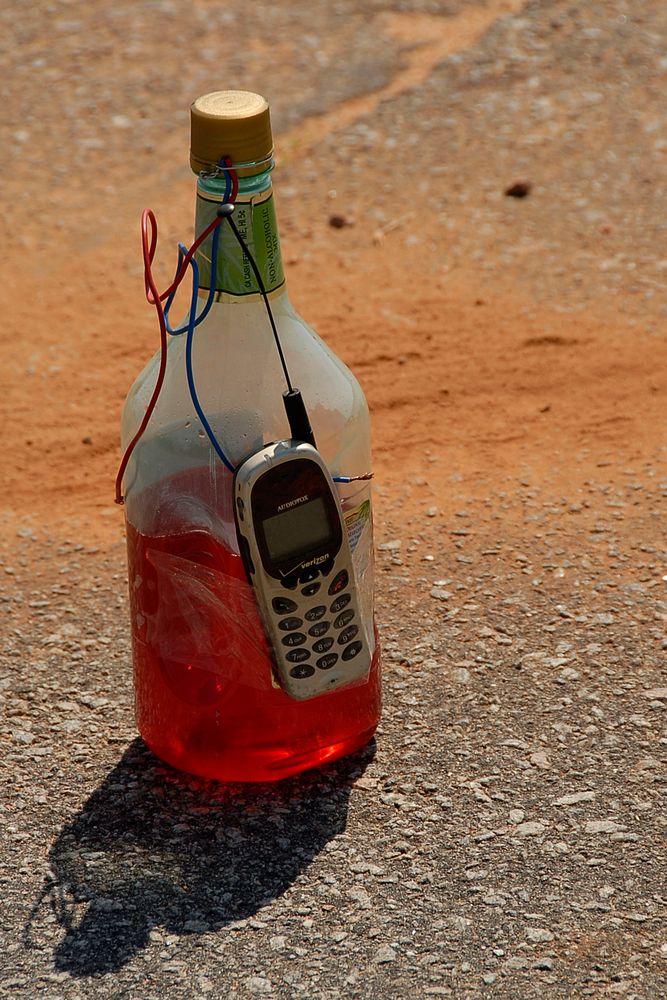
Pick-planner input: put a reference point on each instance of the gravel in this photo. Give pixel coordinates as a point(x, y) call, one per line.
point(504, 835)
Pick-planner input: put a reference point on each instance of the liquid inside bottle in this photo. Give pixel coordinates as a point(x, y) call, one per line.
point(206, 697)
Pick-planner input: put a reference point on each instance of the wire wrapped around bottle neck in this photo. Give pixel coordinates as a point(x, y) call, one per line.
point(263, 166)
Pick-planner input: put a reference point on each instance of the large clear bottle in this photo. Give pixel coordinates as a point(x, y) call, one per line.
point(206, 698)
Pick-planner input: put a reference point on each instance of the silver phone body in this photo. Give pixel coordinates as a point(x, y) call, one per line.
point(294, 543)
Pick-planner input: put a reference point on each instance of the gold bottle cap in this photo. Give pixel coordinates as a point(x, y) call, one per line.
point(232, 123)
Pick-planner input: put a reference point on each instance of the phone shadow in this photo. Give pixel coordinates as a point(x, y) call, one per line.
point(156, 848)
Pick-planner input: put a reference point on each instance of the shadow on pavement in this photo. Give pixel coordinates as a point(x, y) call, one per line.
point(154, 847)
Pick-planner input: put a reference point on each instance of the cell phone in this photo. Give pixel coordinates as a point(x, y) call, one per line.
point(294, 544)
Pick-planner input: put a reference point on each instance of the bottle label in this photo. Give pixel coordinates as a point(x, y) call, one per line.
point(355, 521)
point(256, 222)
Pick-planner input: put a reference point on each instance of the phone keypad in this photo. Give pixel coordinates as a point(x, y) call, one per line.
point(343, 628)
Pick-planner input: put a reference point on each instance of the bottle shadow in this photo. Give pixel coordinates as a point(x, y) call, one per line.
point(153, 847)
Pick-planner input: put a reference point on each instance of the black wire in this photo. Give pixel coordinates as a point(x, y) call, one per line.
point(262, 289)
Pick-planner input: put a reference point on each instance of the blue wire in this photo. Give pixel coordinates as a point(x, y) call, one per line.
point(192, 323)
point(215, 243)
point(194, 320)
point(175, 332)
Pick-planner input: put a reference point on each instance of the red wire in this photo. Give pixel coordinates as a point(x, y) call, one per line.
point(151, 289)
point(148, 247)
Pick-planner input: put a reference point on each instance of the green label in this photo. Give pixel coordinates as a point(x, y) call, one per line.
point(256, 222)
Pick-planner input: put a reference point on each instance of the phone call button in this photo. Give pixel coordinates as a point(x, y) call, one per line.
point(283, 605)
point(339, 582)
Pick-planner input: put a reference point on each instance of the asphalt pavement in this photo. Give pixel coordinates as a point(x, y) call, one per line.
point(504, 835)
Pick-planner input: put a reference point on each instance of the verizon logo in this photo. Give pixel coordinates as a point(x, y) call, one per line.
point(316, 561)
point(292, 503)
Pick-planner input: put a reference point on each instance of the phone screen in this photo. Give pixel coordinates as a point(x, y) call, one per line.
point(297, 530)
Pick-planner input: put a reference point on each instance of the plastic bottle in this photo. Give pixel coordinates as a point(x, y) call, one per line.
point(206, 699)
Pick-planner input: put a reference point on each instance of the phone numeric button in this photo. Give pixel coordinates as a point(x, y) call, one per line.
point(321, 628)
point(290, 624)
point(323, 645)
point(328, 661)
point(344, 618)
point(341, 602)
point(298, 655)
point(315, 613)
point(346, 636)
point(294, 639)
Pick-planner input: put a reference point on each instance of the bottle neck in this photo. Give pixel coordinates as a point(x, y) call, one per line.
point(255, 218)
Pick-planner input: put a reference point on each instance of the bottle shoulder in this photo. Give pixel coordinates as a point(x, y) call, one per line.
point(236, 339)
point(239, 377)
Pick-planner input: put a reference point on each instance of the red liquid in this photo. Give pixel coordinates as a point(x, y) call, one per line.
point(205, 699)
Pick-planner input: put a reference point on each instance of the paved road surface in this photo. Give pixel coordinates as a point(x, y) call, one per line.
point(505, 835)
